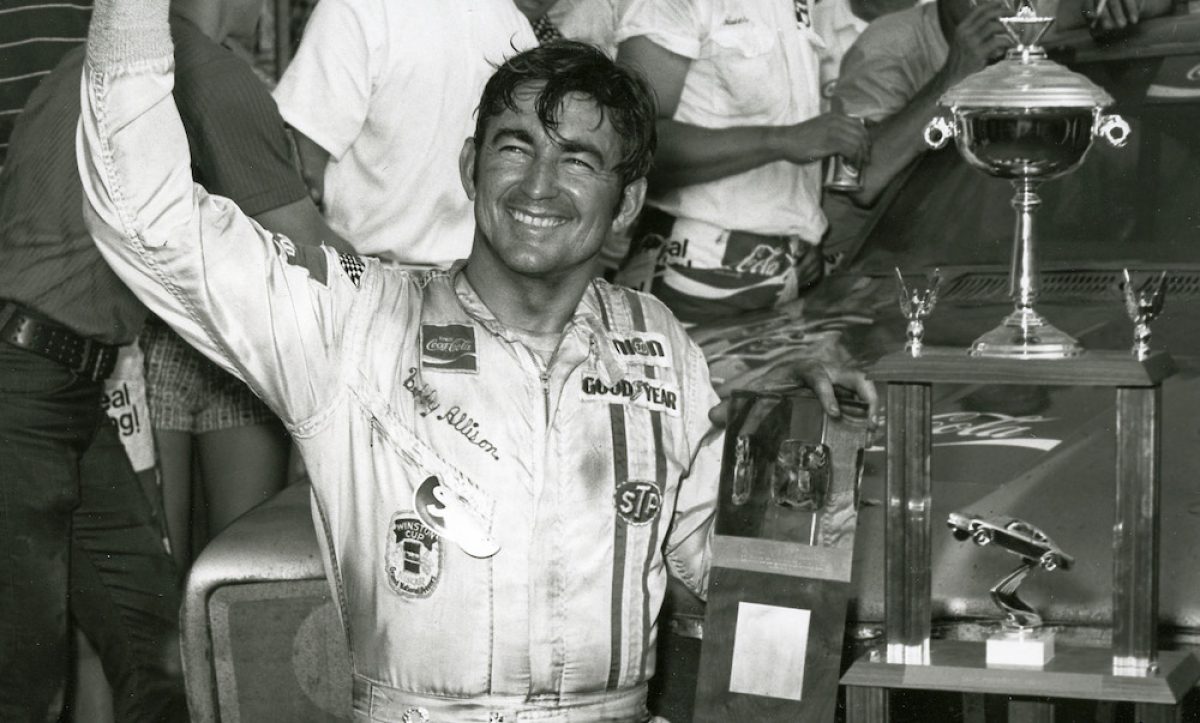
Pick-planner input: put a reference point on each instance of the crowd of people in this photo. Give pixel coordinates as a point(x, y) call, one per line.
point(452, 258)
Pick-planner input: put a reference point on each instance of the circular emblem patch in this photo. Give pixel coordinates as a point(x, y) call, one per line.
point(413, 561)
point(638, 502)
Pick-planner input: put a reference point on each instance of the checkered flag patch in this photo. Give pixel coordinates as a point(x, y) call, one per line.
point(803, 19)
point(352, 265)
point(545, 31)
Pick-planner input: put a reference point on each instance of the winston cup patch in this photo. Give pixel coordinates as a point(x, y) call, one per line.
point(448, 348)
point(413, 562)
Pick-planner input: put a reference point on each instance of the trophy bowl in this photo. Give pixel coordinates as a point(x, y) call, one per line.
point(1026, 119)
point(1023, 142)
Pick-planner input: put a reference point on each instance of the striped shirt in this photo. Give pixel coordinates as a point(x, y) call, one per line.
point(34, 36)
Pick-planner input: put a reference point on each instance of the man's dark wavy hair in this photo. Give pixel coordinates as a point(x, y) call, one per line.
point(566, 67)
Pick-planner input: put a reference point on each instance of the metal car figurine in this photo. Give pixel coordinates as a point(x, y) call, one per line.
point(1024, 540)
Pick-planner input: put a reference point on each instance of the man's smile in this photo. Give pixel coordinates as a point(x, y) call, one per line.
point(535, 219)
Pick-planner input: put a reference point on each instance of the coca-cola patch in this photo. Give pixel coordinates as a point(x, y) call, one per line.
point(448, 348)
point(413, 561)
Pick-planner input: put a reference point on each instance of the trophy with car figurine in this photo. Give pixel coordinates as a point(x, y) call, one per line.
point(1021, 643)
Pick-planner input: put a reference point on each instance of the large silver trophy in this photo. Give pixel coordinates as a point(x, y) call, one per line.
point(1027, 119)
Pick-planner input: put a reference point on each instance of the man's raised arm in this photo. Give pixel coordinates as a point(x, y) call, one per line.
point(248, 299)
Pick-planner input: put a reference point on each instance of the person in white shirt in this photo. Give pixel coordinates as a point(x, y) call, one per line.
point(380, 95)
point(734, 216)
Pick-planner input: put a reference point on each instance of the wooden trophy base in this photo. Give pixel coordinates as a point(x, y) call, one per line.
point(1074, 672)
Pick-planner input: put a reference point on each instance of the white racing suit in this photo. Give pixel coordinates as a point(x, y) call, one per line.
point(496, 531)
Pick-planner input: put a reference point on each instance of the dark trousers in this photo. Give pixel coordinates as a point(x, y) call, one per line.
point(78, 542)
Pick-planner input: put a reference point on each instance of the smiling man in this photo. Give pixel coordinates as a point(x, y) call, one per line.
point(508, 456)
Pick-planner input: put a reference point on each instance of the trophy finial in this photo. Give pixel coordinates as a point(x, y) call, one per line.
point(917, 304)
point(1143, 303)
point(1026, 26)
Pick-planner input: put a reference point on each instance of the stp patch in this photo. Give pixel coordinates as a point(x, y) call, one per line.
point(413, 561)
point(448, 348)
point(638, 502)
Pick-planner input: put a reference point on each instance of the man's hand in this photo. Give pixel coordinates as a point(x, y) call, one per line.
point(1111, 16)
point(826, 135)
point(978, 40)
point(820, 377)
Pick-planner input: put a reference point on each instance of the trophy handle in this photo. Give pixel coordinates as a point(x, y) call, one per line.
point(1113, 128)
point(939, 132)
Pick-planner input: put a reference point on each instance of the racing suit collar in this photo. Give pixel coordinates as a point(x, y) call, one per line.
point(586, 318)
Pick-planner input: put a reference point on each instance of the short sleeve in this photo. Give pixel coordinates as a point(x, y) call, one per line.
point(674, 25)
point(334, 61)
point(876, 79)
point(240, 149)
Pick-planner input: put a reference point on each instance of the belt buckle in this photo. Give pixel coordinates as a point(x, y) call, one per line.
point(94, 359)
point(87, 365)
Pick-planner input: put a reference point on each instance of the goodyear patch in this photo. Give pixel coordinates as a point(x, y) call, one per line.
point(656, 395)
point(643, 347)
point(448, 348)
point(413, 561)
point(638, 502)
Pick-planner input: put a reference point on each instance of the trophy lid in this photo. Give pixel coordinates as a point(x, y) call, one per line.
point(1025, 78)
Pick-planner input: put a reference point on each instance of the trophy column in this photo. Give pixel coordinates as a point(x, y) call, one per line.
point(908, 584)
point(1136, 530)
point(1133, 670)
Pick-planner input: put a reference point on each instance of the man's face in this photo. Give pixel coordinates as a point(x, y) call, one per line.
point(545, 201)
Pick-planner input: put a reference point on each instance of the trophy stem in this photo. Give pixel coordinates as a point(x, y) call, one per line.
point(1018, 615)
point(1024, 284)
point(1025, 334)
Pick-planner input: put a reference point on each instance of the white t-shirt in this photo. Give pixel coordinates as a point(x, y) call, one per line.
point(752, 64)
point(588, 21)
point(389, 88)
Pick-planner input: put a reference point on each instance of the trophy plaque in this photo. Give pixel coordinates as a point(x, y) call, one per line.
point(1029, 120)
point(787, 513)
point(1021, 643)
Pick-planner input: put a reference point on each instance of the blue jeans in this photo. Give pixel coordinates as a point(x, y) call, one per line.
point(78, 542)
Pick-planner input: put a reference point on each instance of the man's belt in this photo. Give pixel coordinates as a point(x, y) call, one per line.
point(90, 359)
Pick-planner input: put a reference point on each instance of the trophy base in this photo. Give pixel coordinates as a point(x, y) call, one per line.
point(1025, 334)
point(1024, 649)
